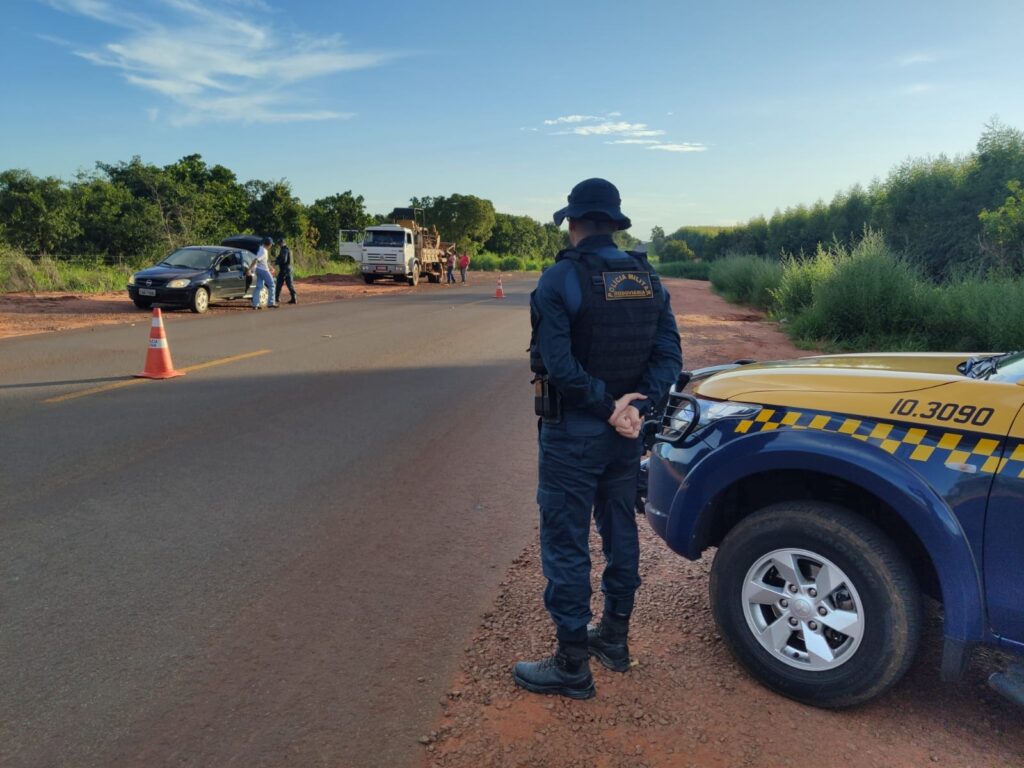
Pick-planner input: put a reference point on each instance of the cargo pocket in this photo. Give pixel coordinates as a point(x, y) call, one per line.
point(550, 500)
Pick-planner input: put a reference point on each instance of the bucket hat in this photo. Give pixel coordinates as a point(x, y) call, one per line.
point(594, 196)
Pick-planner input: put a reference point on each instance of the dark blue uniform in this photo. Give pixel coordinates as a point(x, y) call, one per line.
point(284, 273)
point(581, 328)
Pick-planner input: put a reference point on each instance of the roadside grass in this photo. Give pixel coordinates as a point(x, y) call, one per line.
point(692, 270)
point(746, 279)
point(78, 274)
point(871, 298)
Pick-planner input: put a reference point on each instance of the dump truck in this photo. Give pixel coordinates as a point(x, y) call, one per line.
point(404, 250)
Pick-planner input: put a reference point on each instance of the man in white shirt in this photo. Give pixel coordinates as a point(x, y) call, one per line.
point(260, 267)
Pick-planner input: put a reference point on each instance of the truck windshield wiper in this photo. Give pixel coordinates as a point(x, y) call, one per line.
point(982, 367)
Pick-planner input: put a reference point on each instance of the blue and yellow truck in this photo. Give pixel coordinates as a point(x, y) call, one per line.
point(840, 491)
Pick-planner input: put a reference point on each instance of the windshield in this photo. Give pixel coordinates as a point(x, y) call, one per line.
point(190, 258)
point(388, 239)
point(1009, 368)
point(1005, 367)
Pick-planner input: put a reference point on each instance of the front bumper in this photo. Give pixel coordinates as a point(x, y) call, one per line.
point(162, 295)
point(382, 269)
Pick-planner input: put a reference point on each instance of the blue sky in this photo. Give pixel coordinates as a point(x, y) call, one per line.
point(701, 113)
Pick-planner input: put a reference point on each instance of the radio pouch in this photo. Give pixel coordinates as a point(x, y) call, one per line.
point(547, 403)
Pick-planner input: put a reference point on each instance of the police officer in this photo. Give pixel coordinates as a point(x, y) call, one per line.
point(284, 271)
point(604, 349)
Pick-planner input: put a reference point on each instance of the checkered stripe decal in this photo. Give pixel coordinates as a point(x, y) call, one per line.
point(951, 449)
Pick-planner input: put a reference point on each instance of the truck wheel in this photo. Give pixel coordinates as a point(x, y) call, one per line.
point(817, 603)
point(414, 279)
point(433, 278)
point(200, 301)
point(369, 279)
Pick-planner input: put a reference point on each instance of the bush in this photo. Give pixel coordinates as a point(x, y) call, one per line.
point(873, 298)
point(801, 274)
point(746, 279)
point(485, 262)
point(693, 270)
point(975, 314)
point(511, 264)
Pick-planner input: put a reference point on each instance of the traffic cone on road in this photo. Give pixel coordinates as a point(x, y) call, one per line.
point(500, 293)
point(158, 358)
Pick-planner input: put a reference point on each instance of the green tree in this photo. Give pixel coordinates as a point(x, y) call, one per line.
point(519, 236)
point(1003, 229)
point(329, 215)
point(38, 214)
point(676, 250)
point(657, 240)
point(274, 211)
point(116, 223)
point(463, 219)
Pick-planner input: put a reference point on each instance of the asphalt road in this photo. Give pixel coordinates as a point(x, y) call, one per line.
point(273, 560)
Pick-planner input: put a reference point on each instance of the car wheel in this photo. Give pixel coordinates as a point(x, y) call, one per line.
point(200, 301)
point(415, 279)
point(142, 303)
point(817, 603)
point(369, 279)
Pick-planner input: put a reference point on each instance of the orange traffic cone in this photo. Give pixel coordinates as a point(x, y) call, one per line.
point(500, 293)
point(158, 358)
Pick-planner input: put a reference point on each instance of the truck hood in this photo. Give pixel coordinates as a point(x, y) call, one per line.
point(868, 373)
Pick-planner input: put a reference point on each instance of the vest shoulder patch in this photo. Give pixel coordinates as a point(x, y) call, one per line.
point(632, 284)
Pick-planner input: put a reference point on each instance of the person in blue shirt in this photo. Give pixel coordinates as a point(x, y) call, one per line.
point(605, 349)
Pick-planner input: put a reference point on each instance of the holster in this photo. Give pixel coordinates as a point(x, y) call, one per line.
point(547, 403)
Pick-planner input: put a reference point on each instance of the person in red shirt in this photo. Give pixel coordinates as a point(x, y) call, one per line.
point(463, 265)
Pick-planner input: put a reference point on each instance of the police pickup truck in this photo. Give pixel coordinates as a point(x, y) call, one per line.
point(838, 491)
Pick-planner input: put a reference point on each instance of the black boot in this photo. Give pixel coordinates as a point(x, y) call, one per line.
point(567, 673)
point(607, 641)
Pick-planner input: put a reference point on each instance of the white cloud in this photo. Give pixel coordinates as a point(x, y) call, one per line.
point(618, 132)
point(570, 119)
point(608, 128)
point(679, 147)
point(217, 62)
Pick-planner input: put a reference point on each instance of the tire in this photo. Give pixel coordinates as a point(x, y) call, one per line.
point(264, 296)
point(433, 278)
point(142, 303)
point(200, 301)
point(369, 279)
point(765, 594)
point(414, 279)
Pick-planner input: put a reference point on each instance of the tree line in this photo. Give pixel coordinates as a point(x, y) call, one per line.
point(946, 215)
point(131, 211)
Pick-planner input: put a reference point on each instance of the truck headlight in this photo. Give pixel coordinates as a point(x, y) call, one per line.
point(686, 413)
point(181, 282)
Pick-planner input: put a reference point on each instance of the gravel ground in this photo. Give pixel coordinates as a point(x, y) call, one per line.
point(685, 702)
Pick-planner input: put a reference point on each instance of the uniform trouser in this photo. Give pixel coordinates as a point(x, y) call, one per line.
point(284, 277)
point(586, 467)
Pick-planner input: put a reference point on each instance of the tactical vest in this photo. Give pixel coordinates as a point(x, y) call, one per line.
point(613, 333)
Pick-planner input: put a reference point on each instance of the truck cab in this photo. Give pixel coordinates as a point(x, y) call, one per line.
point(403, 250)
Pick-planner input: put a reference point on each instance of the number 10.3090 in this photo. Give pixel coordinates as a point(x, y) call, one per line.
point(955, 412)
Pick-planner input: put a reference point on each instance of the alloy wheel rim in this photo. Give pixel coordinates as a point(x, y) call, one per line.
point(803, 609)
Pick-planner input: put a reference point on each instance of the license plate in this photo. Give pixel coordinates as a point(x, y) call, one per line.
point(147, 292)
point(382, 269)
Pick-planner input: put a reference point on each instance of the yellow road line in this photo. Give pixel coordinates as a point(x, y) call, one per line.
point(130, 382)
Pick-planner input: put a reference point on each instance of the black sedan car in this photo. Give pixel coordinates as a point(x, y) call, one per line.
point(194, 276)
